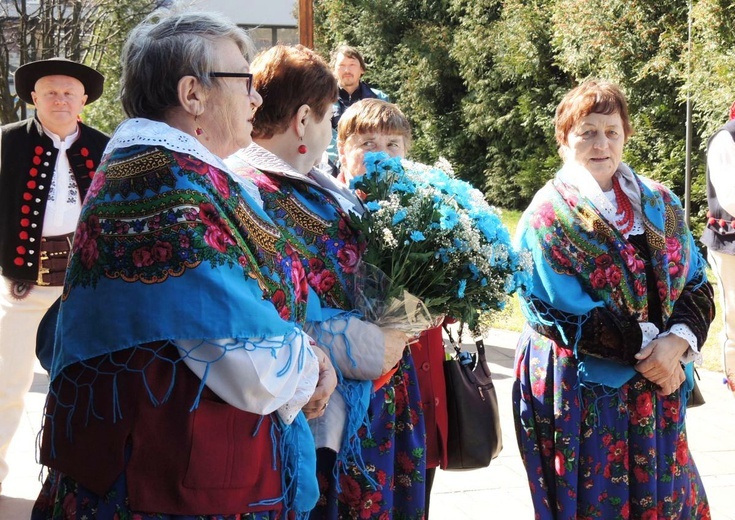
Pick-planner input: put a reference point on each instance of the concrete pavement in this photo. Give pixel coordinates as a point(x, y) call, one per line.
point(499, 491)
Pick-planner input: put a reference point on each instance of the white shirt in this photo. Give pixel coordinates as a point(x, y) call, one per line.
point(721, 164)
point(64, 204)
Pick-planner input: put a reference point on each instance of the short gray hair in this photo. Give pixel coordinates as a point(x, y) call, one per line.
point(165, 47)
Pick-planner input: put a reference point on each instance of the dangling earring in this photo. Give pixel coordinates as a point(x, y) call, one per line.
point(302, 147)
point(198, 130)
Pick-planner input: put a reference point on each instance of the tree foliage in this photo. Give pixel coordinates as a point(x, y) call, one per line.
point(88, 31)
point(480, 79)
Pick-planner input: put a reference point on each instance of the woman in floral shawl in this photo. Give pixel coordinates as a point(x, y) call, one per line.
point(371, 456)
point(619, 310)
point(180, 370)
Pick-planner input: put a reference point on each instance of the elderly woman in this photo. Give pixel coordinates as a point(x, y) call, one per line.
point(373, 125)
point(619, 309)
point(362, 435)
point(180, 370)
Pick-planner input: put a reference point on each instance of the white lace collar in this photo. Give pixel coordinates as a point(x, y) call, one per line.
point(146, 132)
point(264, 160)
point(576, 175)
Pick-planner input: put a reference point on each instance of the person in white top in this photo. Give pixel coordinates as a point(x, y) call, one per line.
point(46, 166)
point(719, 233)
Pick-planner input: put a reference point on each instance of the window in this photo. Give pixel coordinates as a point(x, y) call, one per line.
point(265, 37)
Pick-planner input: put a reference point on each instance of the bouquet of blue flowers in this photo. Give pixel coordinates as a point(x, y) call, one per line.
point(436, 239)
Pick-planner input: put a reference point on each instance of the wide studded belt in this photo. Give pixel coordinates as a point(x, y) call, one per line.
point(54, 257)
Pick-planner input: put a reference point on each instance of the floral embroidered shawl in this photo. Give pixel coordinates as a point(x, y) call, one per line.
point(154, 226)
point(582, 262)
point(310, 212)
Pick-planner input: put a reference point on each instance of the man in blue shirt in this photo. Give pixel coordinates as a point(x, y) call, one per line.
point(348, 67)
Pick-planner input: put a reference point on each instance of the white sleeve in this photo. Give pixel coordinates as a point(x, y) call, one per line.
point(257, 375)
point(721, 165)
point(684, 332)
point(650, 332)
point(355, 347)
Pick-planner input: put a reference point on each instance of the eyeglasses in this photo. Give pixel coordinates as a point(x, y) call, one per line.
point(246, 75)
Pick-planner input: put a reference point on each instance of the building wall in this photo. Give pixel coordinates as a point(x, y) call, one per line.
point(282, 13)
point(269, 21)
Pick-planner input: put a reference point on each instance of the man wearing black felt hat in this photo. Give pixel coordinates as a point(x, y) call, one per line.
point(47, 164)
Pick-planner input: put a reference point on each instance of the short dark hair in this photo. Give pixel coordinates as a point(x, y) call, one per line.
point(288, 77)
point(165, 47)
point(349, 52)
point(590, 97)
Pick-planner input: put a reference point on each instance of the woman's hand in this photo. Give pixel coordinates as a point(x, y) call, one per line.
point(659, 362)
point(669, 387)
point(395, 343)
point(324, 387)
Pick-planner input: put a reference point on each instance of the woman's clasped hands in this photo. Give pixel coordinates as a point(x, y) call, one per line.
point(659, 362)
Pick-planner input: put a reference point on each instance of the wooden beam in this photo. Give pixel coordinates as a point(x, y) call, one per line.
point(306, 23)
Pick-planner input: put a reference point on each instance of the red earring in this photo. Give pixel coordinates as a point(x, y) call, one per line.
point(302, 149)
point(198, 130)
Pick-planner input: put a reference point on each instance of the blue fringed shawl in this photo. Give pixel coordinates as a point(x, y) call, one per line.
point(311, 209)
point(581, 262)
point(170, 246)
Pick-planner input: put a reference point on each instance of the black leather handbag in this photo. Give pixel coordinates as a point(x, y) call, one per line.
point(474, 436)
point(695, 396)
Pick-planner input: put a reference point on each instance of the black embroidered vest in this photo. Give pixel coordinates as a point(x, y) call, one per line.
point(27, 162)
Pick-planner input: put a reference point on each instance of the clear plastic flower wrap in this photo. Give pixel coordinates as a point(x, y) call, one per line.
point(382, 304)
point(435, 238)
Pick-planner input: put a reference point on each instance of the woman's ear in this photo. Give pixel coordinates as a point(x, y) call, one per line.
point(301, 120)
point(191, 95)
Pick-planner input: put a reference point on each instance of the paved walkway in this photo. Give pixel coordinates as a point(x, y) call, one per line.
point(500, 491)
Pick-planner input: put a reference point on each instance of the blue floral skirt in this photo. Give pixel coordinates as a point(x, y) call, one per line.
point(599, 452)
point(394, 453)
point(62, 498)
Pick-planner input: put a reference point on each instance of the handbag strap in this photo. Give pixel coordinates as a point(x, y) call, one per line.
point(463, 356)
point(480, 344)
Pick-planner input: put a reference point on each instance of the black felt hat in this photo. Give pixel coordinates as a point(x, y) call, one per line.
point(27, 75)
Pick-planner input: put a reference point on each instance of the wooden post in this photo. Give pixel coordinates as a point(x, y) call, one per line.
point(306, 23)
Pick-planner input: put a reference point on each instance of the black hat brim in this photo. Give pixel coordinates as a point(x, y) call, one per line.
point(27, 75)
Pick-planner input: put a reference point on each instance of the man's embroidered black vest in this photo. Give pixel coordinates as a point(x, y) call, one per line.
point(27, 162)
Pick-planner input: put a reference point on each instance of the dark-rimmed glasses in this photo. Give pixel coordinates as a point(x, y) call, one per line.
point(246, 75)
